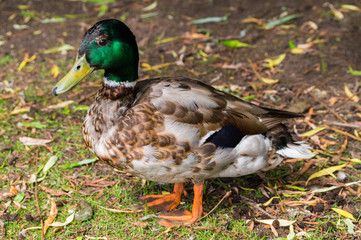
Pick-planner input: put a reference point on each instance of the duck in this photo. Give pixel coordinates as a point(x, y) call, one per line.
point(173, 130)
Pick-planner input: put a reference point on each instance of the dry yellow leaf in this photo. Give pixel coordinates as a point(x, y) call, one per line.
point(312, 25)
point(13, 190)
point(52, 215)
point(273, 62)
point(253, 20)
point(350, 7)
point(55, 71)
point(332, 101)
point(313, 132)
point(268, 202)
point(355, 160)
point(344, 213)
point(59, 105)
point(25, 61)
point(297, 51)
point(327, 171)
point(351, 95)
point(148, 67)
point(269, 80)
point(20, 110)
point(337, 13)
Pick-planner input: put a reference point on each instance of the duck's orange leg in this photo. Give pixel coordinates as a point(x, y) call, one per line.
point(183, 217)
point(165, 202)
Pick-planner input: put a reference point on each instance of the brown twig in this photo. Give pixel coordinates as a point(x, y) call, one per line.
point(116, 200)
point(328, 108)
point(346, 134)
point(253, 204)
point(254, 69)
point(226, 195)
point(348, 125)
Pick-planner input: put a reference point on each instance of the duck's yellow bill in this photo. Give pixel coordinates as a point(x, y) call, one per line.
point(79, 71)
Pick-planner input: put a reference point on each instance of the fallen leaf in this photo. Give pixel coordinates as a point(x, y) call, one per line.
point(20, 110)
point(166, 40)
point(269, 80)
point(277, 22)
point(55, 71)
point(53, 192)
point(344, 213)
point(209, 19)
point(52, 215)
point(19, 197)
point(148, 15)
point(273, 229)
point(351, 95)
point(254, 20)
point(140, 224)
point(26, 61)
point(269, 201)
point(297, 50)
point(236, 44)
point(67, 221)
point(350, 225)
point(350, 7)
point(13, 190)
point(327, 171)
point(121, 210)
point(304, 202)
point(59, 105)
point(148, 67)
point(150, 7)
point(55, 19)
point(313, 132)
point(355, 160)
point(28, 141)
point(332, 101)
point(234, 66)
point(337, 13)
point(62, 48)
point(273, 62)
point(292, 234)
point(80, 163)
point(52, 160)
point(311, 24)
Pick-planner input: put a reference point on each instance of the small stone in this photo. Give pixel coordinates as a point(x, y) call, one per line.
point(59, 204)
point(29, 218)
point(341, 176)
point(84, 211)
point(276, 224)
point(318, 208)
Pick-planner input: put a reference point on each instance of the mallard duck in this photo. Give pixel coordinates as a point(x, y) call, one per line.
point(172, 129)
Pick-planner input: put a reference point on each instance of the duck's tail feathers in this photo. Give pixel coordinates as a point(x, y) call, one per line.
point(296, 150)
point(285, 144)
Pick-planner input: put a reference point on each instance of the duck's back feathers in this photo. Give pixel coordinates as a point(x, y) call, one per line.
point(193, 102)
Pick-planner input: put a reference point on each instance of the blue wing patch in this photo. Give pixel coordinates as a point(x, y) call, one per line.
point(227, 137)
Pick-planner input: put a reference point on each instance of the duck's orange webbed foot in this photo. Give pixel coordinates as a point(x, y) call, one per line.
point(185, 217)
point(165, 202)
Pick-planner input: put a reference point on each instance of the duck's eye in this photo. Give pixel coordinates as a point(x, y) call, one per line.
point(102, 42)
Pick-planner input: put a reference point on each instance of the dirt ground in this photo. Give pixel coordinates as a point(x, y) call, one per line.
point(312, 82)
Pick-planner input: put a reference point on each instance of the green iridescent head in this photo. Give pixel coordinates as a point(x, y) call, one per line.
point(108, 45)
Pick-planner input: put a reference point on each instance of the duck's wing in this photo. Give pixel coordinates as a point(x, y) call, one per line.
point(193, 102)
